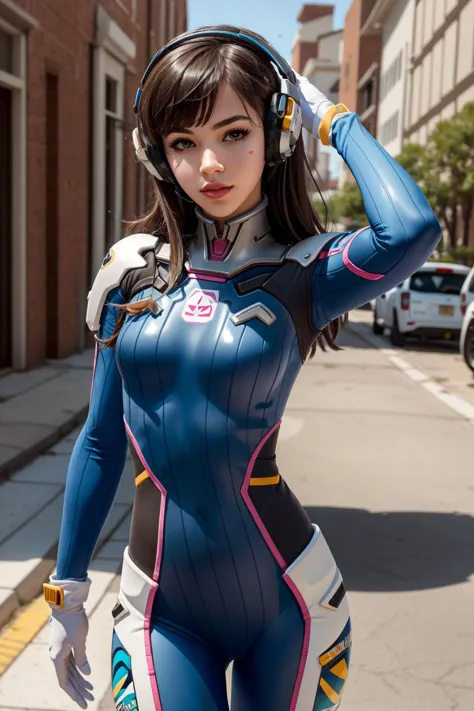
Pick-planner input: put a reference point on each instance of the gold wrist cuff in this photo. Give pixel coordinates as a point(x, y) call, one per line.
point(53, 594)
point(325, 125)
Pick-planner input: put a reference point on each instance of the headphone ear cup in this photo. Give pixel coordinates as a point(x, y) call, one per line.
point(157, 158)
point(153, 158)
point(272, 127)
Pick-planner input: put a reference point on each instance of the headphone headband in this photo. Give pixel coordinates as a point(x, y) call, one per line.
point(283, 120)
point(283, 67)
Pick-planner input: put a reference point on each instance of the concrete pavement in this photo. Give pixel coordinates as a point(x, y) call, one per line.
point(37, 409)
point(381, 463)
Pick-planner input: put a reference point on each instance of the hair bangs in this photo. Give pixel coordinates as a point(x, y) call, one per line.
point(187, 81)
point(187, 85)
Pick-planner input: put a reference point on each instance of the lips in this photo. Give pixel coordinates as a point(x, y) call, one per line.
point(215, 186)
point(214, 191)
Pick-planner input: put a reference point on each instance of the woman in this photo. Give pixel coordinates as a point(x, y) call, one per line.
point(204, 316)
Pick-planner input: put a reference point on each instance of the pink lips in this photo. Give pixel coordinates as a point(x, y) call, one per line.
point(216, 190)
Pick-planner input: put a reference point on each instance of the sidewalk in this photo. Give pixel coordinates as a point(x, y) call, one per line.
point(38, 413)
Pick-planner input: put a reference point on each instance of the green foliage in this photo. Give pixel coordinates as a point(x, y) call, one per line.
point(344, 207)
point(349, 208)
point(457, 255)
point(444, 169)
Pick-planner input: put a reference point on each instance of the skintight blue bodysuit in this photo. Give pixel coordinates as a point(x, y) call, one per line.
point(223, 564)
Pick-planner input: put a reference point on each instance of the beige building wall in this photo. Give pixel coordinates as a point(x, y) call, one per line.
point(441, 76)
point(323, 72)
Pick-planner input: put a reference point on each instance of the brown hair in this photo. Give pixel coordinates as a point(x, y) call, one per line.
point(180, 92)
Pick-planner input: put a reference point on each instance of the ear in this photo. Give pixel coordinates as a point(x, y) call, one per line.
point(142, 156)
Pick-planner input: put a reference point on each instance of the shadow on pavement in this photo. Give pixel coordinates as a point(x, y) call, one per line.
point(398, 551)
point(349, 338)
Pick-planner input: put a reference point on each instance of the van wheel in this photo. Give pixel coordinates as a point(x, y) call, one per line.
point(376, 327)
point(469, 347)
point(397, 338)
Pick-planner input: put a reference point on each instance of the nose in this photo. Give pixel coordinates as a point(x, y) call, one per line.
point(210, 164)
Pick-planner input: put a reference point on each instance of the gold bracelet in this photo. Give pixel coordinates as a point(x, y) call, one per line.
point(325, 125)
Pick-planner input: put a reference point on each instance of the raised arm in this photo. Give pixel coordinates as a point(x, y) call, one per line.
point(403, 230)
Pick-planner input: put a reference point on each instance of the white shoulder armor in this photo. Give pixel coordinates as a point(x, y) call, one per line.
point(306, 251)
point(123, 256)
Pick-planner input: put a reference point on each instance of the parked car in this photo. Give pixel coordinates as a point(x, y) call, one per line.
point(466, 342)
point(426, 305)
point(467, 292)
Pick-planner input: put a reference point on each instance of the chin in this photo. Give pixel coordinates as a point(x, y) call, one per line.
point(220, 208)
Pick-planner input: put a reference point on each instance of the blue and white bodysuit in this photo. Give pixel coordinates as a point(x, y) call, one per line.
point(223, 563)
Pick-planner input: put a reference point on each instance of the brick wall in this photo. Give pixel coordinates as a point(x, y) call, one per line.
point(302, 51)
point(62, 46)
point(350, 58)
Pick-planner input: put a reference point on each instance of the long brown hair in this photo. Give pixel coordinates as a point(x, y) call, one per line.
point(180, 92)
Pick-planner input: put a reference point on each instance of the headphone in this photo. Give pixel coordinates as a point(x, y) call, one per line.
point(282, 123)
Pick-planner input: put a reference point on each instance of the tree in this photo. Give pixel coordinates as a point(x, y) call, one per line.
point(348, 207)
point(444, 169)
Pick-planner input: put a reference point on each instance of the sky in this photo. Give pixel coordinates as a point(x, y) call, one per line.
point(273, 19)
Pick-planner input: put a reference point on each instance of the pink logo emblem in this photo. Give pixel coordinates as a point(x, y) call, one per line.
point(200, 306)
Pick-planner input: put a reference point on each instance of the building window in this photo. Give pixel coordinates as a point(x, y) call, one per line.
point(389, 129)
point(6, 52)
point(108, 106)
point(113, 51)
point(368, 95)
point(112, 148)
point(13, 198)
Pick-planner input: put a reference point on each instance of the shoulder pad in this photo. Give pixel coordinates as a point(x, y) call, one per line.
point(123, 256)
point(306, 251)
point(163, 252)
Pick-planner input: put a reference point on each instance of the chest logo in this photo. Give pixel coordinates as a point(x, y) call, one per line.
point(200, 306)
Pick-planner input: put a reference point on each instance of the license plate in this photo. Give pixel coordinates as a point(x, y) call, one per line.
point(446, 310)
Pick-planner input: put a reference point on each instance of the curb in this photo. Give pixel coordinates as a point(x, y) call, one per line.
point(26, 456)
point(31, 586)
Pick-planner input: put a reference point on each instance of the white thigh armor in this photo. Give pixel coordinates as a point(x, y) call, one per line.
point(133, 675)
point(317, 584)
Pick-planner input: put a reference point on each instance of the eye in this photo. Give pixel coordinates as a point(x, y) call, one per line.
point(177, 144)
point(237, 134)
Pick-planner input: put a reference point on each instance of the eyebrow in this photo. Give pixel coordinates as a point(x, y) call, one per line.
point(219, 124)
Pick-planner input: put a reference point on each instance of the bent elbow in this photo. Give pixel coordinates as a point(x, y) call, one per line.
point(426, 235)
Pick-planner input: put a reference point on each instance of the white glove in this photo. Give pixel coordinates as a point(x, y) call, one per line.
point(313, 105)
point(67, 639)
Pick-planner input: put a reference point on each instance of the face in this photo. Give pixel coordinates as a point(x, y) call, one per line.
point(227, 151)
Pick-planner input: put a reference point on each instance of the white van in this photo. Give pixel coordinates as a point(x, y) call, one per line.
point(467, 292)
point(466, 342)
point(426, 305)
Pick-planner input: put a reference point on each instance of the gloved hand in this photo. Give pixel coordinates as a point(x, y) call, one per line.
point(67, 639)
point(314, 106)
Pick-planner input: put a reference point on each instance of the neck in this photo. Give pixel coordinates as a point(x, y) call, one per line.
point(221, 237)
point(245, 240)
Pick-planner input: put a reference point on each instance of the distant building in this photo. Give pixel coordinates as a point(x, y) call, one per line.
point(68, 175)
point(315, 20)
point(323, 71)
point(359, 76)
point(427, 67)
point(393, 21)
point(317, 55)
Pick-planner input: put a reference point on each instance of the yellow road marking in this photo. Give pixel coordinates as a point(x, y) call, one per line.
point(19, 633)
